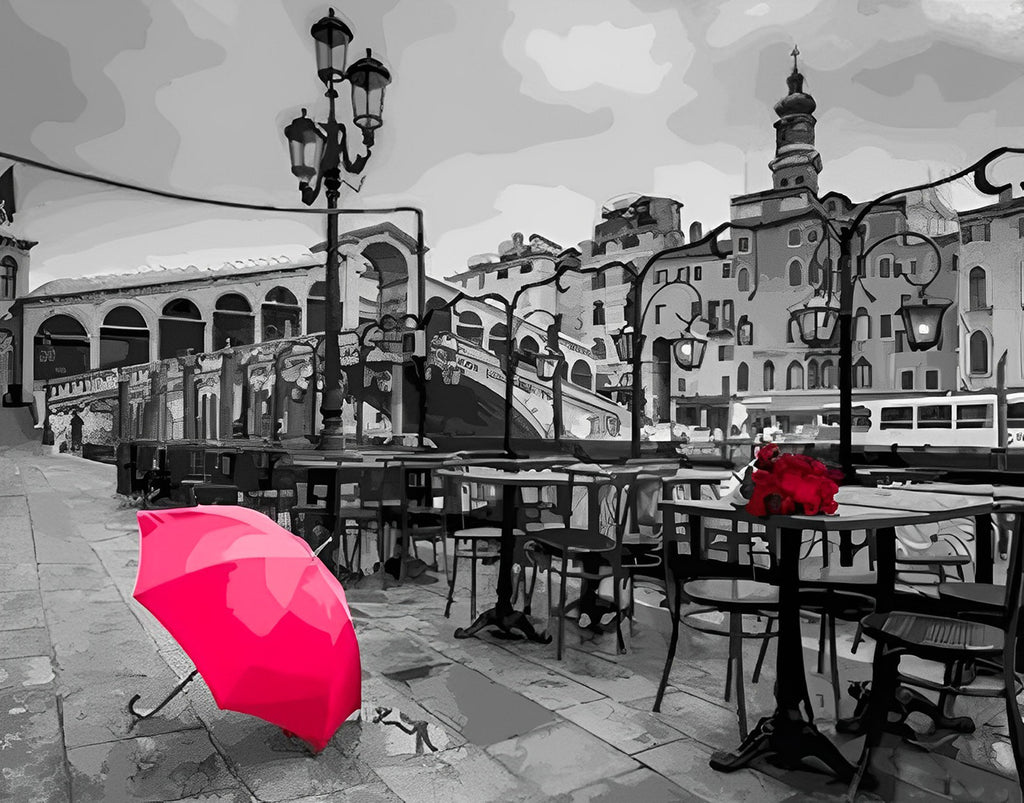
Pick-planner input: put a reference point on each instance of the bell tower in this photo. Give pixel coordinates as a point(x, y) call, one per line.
point(796, 161)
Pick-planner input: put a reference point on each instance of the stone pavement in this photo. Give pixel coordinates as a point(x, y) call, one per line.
point(491, 721)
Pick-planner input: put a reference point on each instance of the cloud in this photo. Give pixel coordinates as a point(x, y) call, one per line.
point(589, 55)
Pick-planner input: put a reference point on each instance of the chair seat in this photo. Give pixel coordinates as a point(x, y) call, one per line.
point(484, 533)
point(932, 560)
point(934, 636)
point(572, 540)
point(732, 594)
point(976, 595)
point(357, 513)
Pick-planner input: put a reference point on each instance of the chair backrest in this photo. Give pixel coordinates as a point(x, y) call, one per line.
point(1014, 599)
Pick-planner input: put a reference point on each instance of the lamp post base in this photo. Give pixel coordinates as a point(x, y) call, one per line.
point(332, 437)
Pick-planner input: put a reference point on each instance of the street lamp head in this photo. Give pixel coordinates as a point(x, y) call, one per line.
point(548, 363)
point(922, 321)
point(368, 78)
point(304, 146)
point(623, 340)
point(816, 321)
point(688, 350)
point(332, 38)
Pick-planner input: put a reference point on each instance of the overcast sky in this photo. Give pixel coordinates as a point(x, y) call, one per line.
point(504, 115)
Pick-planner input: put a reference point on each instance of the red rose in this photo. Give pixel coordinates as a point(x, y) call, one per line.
point(791, 483)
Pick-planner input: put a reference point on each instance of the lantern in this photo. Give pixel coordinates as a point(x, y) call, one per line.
point(305, 146)
point(623, 340)
point(688, 351)
point(816, 321)
point(548, 364)
point(332, 38)
point(922, 321)
point(368, 78)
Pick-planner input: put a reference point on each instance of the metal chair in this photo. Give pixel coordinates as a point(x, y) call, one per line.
point(961, 645)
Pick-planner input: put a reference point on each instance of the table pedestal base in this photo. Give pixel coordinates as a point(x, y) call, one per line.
point(505, 624)
point(905, 701)
point(790, 741)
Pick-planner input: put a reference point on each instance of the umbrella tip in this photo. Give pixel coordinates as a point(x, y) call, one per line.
point(148, 521)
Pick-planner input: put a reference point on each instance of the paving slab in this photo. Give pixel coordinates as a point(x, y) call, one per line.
point(18, 576)
point(460, 776)
point(639, 785)
point(22, 643)
point(25, 673)
point(21, 610)
point(624, 728)
point(32, 766)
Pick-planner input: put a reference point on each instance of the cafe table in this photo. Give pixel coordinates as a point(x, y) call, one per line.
point(789, 734)
point(513, 476)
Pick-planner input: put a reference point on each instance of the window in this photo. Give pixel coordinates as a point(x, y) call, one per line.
point(8, 277)
point(813, 273)
point(795, 376)
point(794, 237)
point(798, 180)
point(661, 277)
point(862, 373)
point(503, 273)
point(813, 380)
point(978, 353)
point(725, 353)
point(470, 327)
point(966, 235)
point(696, 231)
point(745, 333)
point(812, 236)
point(784, 182)
point(931, 379)
point(956, 262)
point(935, 416)
point(725, 270)
point(696, 273)
point(743, 245)
point(896, 418)
point(727, 314)
point(1020, 227)
point(725, 386)
point(796, 274)
point(885, 267)
point(657, 313)
point(526, 269)
point(598, 281)
point(713, 314)
point(973, 416)
point(598, 318)
point(906, 380)
point(742, 378)
point(480, 282)
point(912, 264)
point(497, 339)
point(828, 378)
point(885, 325)
point(977, 290)
point(983, 231)
point(684, 273)
point(862, 325)
point(681, 384)
point(768, 375)
point(1015, 415)
point(695, 310)
point(743, 280)
point(901, 341)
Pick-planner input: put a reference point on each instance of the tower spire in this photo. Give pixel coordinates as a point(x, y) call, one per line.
point(794, 54)
point(796, 161)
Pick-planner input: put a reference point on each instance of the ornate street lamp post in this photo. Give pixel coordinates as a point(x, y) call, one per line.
point(318, 153)
point(548, 364)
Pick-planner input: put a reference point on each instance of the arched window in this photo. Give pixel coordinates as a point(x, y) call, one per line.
point(828, 378)
point(316, 306)
point(862, 325)
point(496, 339)
point(979, 353)
point(61, 348)
point(8, 277)
point(181, 328)
point(813, 273)
point(438, 317)
point(124, 338)
point(884, 267)
point(470, 327)
point(813, 380)
point(862, 373)
point(768, 375)
point(795, 376)
point(598, 317)
point(581, 374)
point(233, 322)
point(743, 280)
point(977, 292)
point(742, 378)
point(529, 344)
point(282, 316)
point(796, 273)
point(600, 349)
point(696, 232)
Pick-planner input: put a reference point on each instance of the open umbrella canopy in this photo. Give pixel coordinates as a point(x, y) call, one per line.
point(262, 618)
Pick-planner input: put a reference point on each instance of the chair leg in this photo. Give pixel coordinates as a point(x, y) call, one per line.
point(858, 637)
point(451, 582)
point(736, 658)
point(885, 668)
point(528, 602)
point(617, 594)
point(673, 642)
point(729, 666)
point(822, 634)
point(769, 625)
point(472, 582)
point(561, 607)
point(833, 662)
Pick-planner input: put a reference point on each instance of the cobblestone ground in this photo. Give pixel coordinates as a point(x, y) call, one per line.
point(490, 720)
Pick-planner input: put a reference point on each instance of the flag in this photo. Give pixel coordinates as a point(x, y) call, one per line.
point(7, 207)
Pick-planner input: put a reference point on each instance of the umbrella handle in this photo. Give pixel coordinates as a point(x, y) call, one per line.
point(320, 548)
point(167, 699)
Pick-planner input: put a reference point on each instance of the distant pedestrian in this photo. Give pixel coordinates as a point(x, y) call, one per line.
point(76, 431)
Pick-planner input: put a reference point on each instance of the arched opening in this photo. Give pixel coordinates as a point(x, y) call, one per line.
point(391, 271)
point(862, 373)
point(438, 317)
point(233, 322)
point(743, 280)
point(581, 374)
point(182, 328)
point(316, 307)
point(528, 344)
point(978, 353)
point(61, 348)
point(124, 338)
point(471, 328)
point(768, 377)
point(796, 273)
point(862, 325)
point(742, 378)
point(795, 376)
point(977, 289)
point(282, 316)
point(8, 278)
point(696, 231)
point(496, 342)
point(828, 378)
point(813, 380)
point(661, 351)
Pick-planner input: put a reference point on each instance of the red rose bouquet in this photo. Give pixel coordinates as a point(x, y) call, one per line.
point(791, 483)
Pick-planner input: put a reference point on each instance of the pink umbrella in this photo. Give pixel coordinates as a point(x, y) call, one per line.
point(264, 621)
